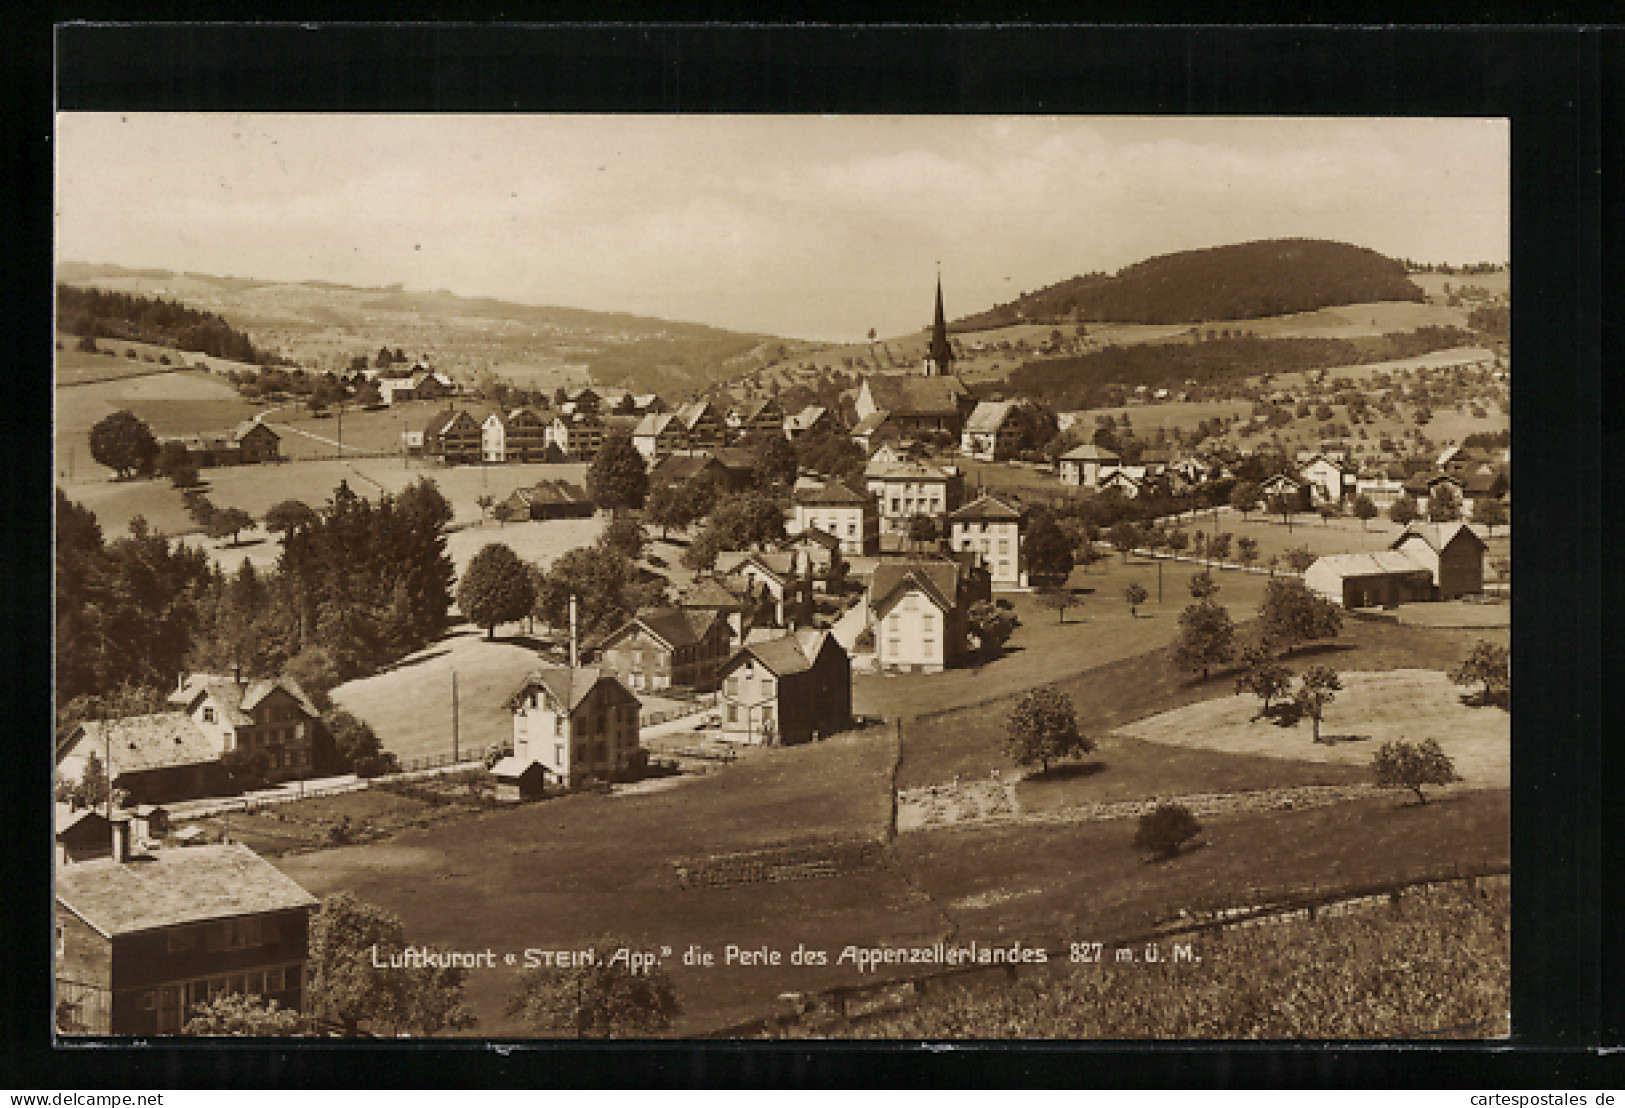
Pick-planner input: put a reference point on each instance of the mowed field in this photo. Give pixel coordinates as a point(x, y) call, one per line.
point(1371, 709)
point(1344, 535)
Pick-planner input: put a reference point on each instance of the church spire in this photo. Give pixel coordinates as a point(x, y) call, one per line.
point(940, 355)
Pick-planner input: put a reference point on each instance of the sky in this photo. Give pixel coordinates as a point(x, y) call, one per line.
point(809, 227)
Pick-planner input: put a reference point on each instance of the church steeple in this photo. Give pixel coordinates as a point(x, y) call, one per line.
point(939, 359)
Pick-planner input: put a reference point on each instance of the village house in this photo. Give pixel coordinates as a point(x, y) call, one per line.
point(817, 554)
point(176, 754)
point(836, 510)
point(665, 648)
point(1282, 485)
point(763, 416)
point(786, 690)
point(904, 489)
point(702, 426)
point(578, 436)
point(738, 467)
point(811, 420)
point(1081, 466)
point(1127, 481)
point(453, 436)
point(682, 471)
point(919, 610)
point(82, 834)
point(771, 575)
point(874, 430)
point(734, 600)
point(578, 722)
point(1422, 486)
point(645, 402)
point(1380, 487)
point(249, 443)
point(583, 400)
point(1428, 561)
point(658, 436)
point(917, 405)
point(1330, 479)
point(516, 435)
point(992, 431)
point(547, 499)
point(144, 937)
point(991, 529)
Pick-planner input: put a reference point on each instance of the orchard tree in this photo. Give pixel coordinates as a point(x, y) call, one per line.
point(1057, 600)
point(1263, 676)
point(172, 456)
point(346, 985)
point(1328, 512)
point(1202, 586)
point(496, 588)
point(1291, 614)
point(605, 998)
point(1365, 510)
point(618, 477)
point(1284, 505)
point(1405, 765)
point(1298, 558)
point(775, 465)
point(1246, 497)
point(1444, 505)
point(1043, 728)
point(1124, 537)
point(1218, 545)
point(1136, 595)
point(123, 443)
point(1165, 829)
point(1206, 638)
point(1404, 511)
point(1317, 687)
point(1489, 666)
point(222, 522)
point(1247, 550)
point(289, 515)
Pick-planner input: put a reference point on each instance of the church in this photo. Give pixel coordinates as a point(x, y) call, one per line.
point(933, 400)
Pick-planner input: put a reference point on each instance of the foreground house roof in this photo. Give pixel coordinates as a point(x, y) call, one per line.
point(937, 579)
point(795, 652)
point(180, 885)
point(566, 686)
point(1437, 535)
point(155, 741)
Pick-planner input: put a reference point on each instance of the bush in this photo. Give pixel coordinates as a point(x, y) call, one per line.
point(1165, 829)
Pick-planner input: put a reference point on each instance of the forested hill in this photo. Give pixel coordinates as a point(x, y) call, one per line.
point(1248, 280)
point(97, 313)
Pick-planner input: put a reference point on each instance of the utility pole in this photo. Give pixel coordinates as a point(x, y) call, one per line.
point(454, 735)
point(1159, 580)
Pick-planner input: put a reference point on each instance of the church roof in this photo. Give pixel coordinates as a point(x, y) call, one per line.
point(916, 396)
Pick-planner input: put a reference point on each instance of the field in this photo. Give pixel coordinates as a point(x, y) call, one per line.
point(1371, 709)
point(1099, 631)
point(1338, 536)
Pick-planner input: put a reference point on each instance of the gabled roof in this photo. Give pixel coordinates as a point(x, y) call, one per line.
point(833, 494)
point(903, 469)
point(190, 884)
point(813, 535)
point(550, 491)
point(990, 415)
point(654, 424)
point(805, 418)
point(986, 507)
point(939, 580)
point(735, 458)
point(248, 425)
point(565, 686)
point(870, 423)
point(1438, 535)
point(679, 469)
point(779, 564)
point(691, 413)
point(1089, 452)
point(752, 410)
point(916, 396)
point(442, 420)
point(236, 700)
point(512, 768)
point(710, 592)
point(154, 741)
point(672, 626)
point(1378, 563)
point(795, 652)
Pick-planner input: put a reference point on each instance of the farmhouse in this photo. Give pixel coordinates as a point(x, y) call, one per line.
point(663, 648)
point(1451, 552)
point(734, 600)
point(176, 754)
point(1384, 579)
point(738, 466)
point(1082, 465)
point(579, 723)
point(658, 435)
point(836, 510)
point(578, 436)
point(992, 431)
point(702, 427)
point(1281, 484)
point(991, 530)
point(771, 574)
point(143, 938)
point(453, 436)
point(919, 610)
point(516, 435)
point(811, 420)
point(686, 470)
point(1126, 481)
point(786, 690)
point(249, 443)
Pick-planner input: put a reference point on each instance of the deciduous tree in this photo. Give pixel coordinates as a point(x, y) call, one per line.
point(1047, 548)
point(1403, 511)
point(617, 477)
point(1165, 829)
point(1489, 666)
point(1058, 600)
point(1291, 614)
point(1042, 728)
point(227, 521)
point(123, 443)
point(1202, 585)
point(601, 999)
point(1136, 595)
point(1491, 513)
point(1365, 510)
point(234, 1015)
point(1207, 637)
point(496, 588)
point(991, 625)
point(1317, 687)
point(1400, 764)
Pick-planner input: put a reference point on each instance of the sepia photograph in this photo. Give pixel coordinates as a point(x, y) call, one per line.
point(782, 577)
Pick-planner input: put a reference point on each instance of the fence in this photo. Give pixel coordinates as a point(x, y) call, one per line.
point(886, 997)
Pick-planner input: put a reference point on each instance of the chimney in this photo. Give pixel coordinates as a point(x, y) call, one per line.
point(180, 680)
point(574, 657)
point(237, 673)
point(121, 840)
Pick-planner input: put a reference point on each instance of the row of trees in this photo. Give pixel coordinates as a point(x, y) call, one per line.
point(97, 313)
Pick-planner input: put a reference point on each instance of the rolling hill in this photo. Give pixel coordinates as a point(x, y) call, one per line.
point(1247, 280)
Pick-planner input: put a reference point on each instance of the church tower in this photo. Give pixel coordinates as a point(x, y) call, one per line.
point(939, 356)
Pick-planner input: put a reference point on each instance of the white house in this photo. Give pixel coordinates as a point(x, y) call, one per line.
point(576, 722)
point(493, 438)
point(919, 619)
point(991, 432)
point(1081, 465)
point(991, 529)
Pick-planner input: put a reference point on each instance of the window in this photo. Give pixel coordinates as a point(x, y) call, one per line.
point(767, 686)
point(894, 622)
point(927, 620)
point(894, 646)
point(733, 712)
point(1004, 546)
point(558, 726)
point(911, 602)
point(61, 941)
point(558, 754)
point(208, 715)
point(733, 686)
point(851, 529)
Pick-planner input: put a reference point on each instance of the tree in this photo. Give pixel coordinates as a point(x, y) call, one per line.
point(1328, 512)
point(1165, 829)
point(235, 1015)
point(625, 537)
point(1291, 614)
point(1317, 687)
point(355, 745)
point(1489, 512)
point(172, 457)
point(247, 769)
point(1207, 637)
point(1444, 505)
point(1057, 600)
point(1284, 505)
point(92, 791)
point(775, 463)
point(346, 937)
point(669, 506)
point(1298, 558)
point(1179, 541)
point(123, 443)
point(596, 578)
point(1365, 510)
point(1202, 585)
point(1404, 765)
point(1490, 666)
point(1246, 497)
point(1043, 728)
point(991, 625)
point(1136, 595)
point(922, 531)
point(1124, 537)
point(1247, 550)
point(1403, 511)
point(1264, 677)
point(1218, 545)
point(603, 999)
point(185, 477)
point(496, 588)
point(288, 515)
point(227, 521)
point(617, 477)
point(1047, 548)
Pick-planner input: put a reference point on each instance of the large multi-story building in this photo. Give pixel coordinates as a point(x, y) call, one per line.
point(577, 722)
point(904, 489)
point(991, 529)
point(836, 510)
point(665, 648)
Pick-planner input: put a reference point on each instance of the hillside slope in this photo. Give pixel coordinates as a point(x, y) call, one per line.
point(1247, 280)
